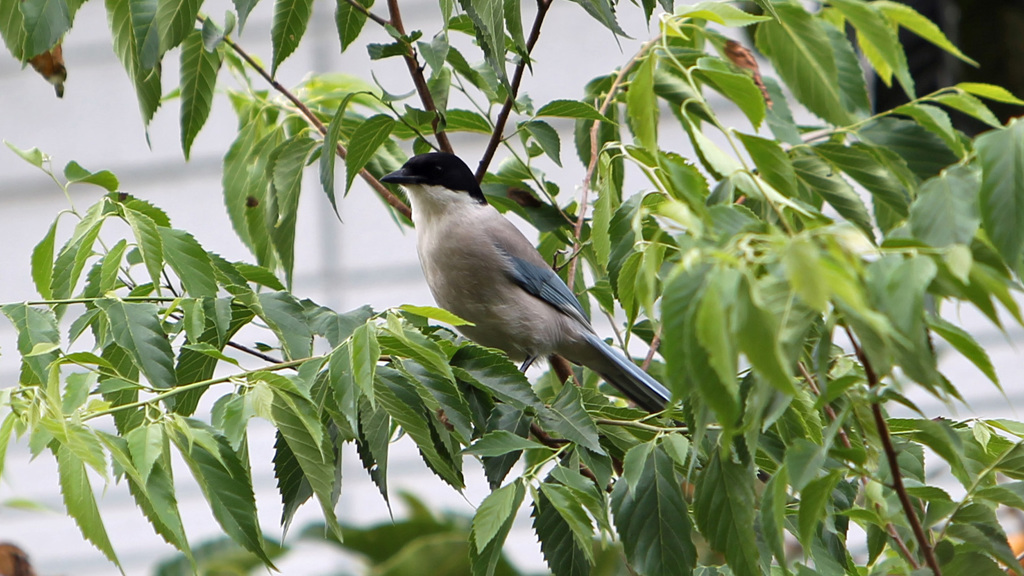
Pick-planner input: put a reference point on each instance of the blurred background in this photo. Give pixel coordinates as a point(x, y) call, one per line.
point(363, 258)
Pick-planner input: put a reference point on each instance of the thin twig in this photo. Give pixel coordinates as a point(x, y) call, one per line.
point(639, 425)
point(517, 80)
point(655, 344)
point(253, 352)
point(592, 165)
point(392, 200)
point(417, 78)
point(367, 12)
point(890, 453)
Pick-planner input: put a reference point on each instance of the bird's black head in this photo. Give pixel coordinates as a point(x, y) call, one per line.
point(438, 169)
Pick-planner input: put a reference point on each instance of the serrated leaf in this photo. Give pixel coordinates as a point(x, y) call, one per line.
point(364, 353)
point(557, 541)
point(801, 52)
point(500, 442)
point(289, 160)
point(176, 20)
point(285, 316)
point(813, 499)
point(297, 420)
point(547, 137)
point(136, 328)
point(642, 105)
point(968, 104)
point(35, 326)
point(603, 12)
point(434, 313)
point(365, 140)
point(912, 20)
point(878, 40)
point(721, 13)
point(653, 520)
point(350, 20)
point(80, 501)
point(374, 439)
point(199, 69)
point(466, 121)
point(12, 28)
point(572, 109)
point(492, 372)
point(1001, 154)
point(146, 446)
point(991, 92)
point(145, 33)
point(725, 512)
point(820, 179)
point(511, 420)
point(489, 27)
point(104, 178)
point(496, 509)
point(946, 209)
point(329, 151)
point(398, 397)
point(190, 262)
point(925, 153)
point(45, 22)
point(801, 263)
point(964, 343)
point(572, 511)
point(226, 484)
point(291, 17)
point(739, 88)
point(853, 89)
point(147, 238)
point(70, 260)
point(567, 417)
point(42, 262)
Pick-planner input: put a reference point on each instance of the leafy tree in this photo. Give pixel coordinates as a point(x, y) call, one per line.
point(782, 309)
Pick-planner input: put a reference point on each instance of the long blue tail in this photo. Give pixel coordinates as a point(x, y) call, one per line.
point(627, 377)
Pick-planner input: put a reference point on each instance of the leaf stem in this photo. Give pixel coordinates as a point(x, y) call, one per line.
point(517, 80)
point(203, 383)
point(355, 4)
point(62, 301)
point(416, 72)
point(381, 190)
point(890, 453)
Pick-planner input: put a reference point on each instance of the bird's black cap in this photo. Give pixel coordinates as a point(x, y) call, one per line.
point(438, 169)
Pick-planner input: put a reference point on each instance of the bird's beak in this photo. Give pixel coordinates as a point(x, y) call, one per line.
point(400, 176)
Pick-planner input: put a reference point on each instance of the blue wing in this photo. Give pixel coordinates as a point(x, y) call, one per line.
point(543, 283)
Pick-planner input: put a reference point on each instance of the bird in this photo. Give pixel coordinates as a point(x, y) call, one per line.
point(480, 267)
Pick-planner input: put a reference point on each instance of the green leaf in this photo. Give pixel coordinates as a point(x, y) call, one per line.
point(546, 136)
point(365, 140)
point(571, 109)
point(213, 34)
point(725, 512)
point(147, 238)
point(6, 427)
point(801, 262)
point(199, 69)
point(964, 102)
point(912, 20)
point(511, 420)
point(757, 333)
point(190, 262)
point(925, 153)
point(990, 91)
point(35, 326)
point(488, 23)
point(853, 88)
point(466, 121)
point(720, 13)
point(818, 178)
point(350, 20)
point(946, 209)
point(299, 423)
point(773, 513)
point(243, 7)
point(136, 328)
point(42, 262)
point(290, 20)
point(12, 28)
point(288, 162)
point(492, 372)
point(484, 558)
point(374, 439)
point(80, 501)
point(801, 52)
point(935, 120)
point(602, 11)
point(146, 446)
point(70, 261)
point(567, 417)
point(328, 151)
point(398, 396)
point(813, 499)
point(176, 20)
point(225, 483)
point(364, 353)
point(575, 516)
point(772, 162)
point(45, 22)
point(642, 104)
point(965, 344)
point(653, 520)
point(1001, 153)
point(434, 313)
point(878, 41)
point(558, 543)
point(867, 167)
point(145, 33)
point(285, 316)
point(739, 88)
point(496, 509)
point(104, 178)
point(500, 442)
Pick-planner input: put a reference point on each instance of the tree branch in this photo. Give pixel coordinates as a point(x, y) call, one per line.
point(418, 80)
point(592, 165)
point(382, 191)
point(891, 457)
point(517, 80)
point(367, 12)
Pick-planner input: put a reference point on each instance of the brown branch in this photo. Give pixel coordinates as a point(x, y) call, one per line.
point(592, 165)
point(655, 344)
point(417, 78)
point(517, 80)
point(890, 453)
point(381, 190)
